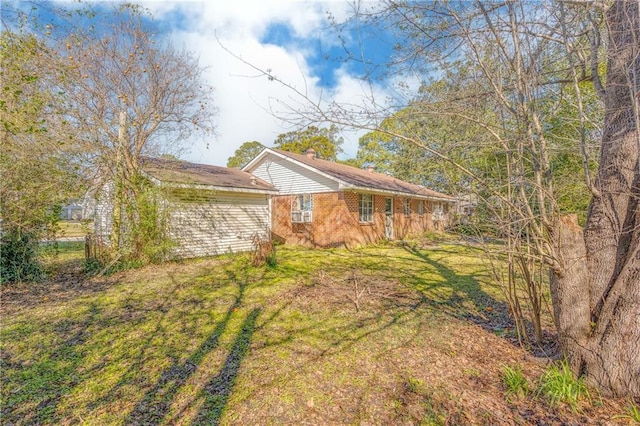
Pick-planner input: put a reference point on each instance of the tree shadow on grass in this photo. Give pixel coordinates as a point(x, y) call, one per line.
point(133, 314)
point(216, 393)
point(154, 406)
point(50, 374)
point(489, 313)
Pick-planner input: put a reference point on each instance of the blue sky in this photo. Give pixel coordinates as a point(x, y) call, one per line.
point(295, 40)
point(326, 58)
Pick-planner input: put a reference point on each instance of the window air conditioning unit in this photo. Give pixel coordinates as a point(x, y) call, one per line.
point(301, 216)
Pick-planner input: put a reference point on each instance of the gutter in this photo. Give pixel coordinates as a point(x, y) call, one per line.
point(397, 193)
point(209, 187)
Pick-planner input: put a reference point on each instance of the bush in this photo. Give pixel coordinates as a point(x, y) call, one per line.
point(19, 257)
point(150, 241)
point(264, 252)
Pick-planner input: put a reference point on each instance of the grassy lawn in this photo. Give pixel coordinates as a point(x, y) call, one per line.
point(379, 335)
point(71, 229)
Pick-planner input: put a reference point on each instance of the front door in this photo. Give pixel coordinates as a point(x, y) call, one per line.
point(388, 218)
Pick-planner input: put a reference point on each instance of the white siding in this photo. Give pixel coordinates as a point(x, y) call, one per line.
point(202, 223)
point(103, 217)
point(219, 223)
point(291, 178)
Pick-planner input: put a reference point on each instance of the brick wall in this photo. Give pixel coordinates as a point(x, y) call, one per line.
point(336, 221)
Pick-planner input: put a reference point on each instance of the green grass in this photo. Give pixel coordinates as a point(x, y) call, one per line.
point(69, 228)
point(515, 382)
point(60, 255)
point(631, 413)
point(559, 385)
point(384, 334)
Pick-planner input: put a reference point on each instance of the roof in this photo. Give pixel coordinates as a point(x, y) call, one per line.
point(353, 177)
point(184, 174)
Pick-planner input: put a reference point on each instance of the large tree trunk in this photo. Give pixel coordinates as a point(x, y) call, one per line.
point(596, 292)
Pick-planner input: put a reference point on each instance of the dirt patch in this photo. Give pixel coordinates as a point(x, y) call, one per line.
point(354, 291)
point(62, 287)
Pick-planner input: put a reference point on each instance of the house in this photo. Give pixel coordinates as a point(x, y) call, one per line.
point(323, 203)
point(79, 209)
point(467, 206)
point(211, 210)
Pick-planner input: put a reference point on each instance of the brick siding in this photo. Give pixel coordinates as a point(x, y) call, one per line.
point(335, 221)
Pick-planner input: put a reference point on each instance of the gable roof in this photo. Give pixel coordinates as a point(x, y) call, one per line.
point(350, 177)
point(182, 174)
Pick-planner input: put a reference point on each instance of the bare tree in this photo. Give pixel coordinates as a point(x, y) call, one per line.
point(516, 67)
point(130, 93)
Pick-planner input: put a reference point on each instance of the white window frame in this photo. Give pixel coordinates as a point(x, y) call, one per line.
point(302, 208)
point(365, 208)
point(421, 207)
point(406, 206)
point(438, 212)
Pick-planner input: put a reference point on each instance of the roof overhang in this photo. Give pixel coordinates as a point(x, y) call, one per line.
point(396, 193)
point(344, 186)
point(205, 187)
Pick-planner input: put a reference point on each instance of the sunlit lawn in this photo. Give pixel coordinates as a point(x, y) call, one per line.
point(71, 229)
point(376, 335)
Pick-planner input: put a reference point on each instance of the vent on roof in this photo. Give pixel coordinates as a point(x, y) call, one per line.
point(310, 153)
point(371, 168)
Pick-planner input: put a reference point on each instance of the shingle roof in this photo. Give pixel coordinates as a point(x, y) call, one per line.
point(185, 173)
point(364, 179)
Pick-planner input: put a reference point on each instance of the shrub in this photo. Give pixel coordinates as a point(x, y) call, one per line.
point(150, 240)
point(264, 252)
point(19, 259)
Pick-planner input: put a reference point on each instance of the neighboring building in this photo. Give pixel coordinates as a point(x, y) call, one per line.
point(211, 210)
point(323, 204)
point(79, 209)
point(466, 208)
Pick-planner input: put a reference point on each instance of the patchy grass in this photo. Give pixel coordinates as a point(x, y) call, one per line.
point(60, 258)
point(380, 335)
point(74, 229)
point(631, 413)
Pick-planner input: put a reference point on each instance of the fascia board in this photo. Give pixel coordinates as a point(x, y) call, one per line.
point(160, 183)
point(397, 193)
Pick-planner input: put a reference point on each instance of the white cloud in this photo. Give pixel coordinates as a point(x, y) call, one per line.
point(242, 97)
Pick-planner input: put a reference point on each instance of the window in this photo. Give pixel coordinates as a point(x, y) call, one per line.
point(438, 212)
point(421, 207)
point(366, 208)
point(301, 208)
point(407, 206)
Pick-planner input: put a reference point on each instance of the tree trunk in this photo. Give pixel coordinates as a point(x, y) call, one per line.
point(596, 291)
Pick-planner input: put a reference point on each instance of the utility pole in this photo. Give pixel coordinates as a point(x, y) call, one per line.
point(118, 187)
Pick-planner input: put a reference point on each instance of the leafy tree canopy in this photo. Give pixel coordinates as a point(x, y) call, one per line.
point(37, 163)
point(325, 141)
point(247, 152)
